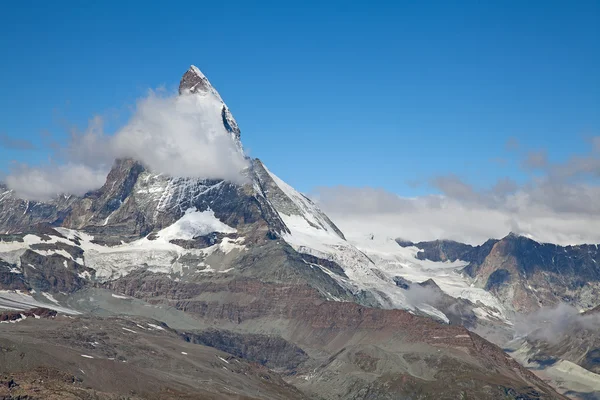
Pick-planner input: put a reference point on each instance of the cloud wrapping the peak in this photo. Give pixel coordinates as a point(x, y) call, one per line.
point(180, 136)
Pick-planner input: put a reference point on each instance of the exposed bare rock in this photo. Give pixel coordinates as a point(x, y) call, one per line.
point(526, 274)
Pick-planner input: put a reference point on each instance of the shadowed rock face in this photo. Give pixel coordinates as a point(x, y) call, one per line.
point(449, 250)
point(270, 351)
point(54, 273)
point(18, 215)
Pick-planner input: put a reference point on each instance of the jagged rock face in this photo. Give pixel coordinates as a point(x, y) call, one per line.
point(449, 250)
point(135, 202)
point(18, 215)
point(54, 273)
point(194, 81)
point(43, 266)
point(526, 274)
point(11, 278)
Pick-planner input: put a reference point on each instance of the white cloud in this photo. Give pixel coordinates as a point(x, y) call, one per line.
point(559, 206)
point(181, 136)
point(534, 212)
point(175, 135)
point(551, 323)
point(42, 183)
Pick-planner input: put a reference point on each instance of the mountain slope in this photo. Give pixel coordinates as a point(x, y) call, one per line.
point(525, 274)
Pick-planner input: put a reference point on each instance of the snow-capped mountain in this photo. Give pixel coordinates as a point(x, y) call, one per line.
point(120, 227)
point(255, 256)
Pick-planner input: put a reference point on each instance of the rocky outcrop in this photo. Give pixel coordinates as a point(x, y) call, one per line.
point(526, 274)
point(268, 350)
point(54, 273)
point(449, 250)
point(18, 215)
point(38, 312)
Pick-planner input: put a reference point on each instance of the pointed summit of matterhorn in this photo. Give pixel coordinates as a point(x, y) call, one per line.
point(195, 82)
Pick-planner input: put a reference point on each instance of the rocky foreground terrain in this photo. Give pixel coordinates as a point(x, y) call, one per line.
point(155, 286)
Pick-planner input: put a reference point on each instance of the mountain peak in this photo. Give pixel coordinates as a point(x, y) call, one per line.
point(194, 81)
point(518, 236)
point(197, 71)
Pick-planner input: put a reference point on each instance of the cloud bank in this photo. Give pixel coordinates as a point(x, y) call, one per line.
point(175, 135)
point(560, 206)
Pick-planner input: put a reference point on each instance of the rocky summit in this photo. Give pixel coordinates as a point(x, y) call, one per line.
point(162, 287)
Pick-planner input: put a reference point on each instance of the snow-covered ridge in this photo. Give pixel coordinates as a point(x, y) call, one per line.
point(371, 263)
point(291, 204)
point(197, 71)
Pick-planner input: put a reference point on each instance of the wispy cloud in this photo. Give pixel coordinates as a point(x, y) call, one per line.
point(535, 160)
point(512, 144)
point(552, 323)
point(13, 143)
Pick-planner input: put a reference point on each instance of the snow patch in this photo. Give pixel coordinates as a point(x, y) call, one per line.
point(84, 275)
point(193, 224)
point(158, 328)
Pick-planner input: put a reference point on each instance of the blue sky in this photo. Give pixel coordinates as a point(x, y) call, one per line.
point(381, 94)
